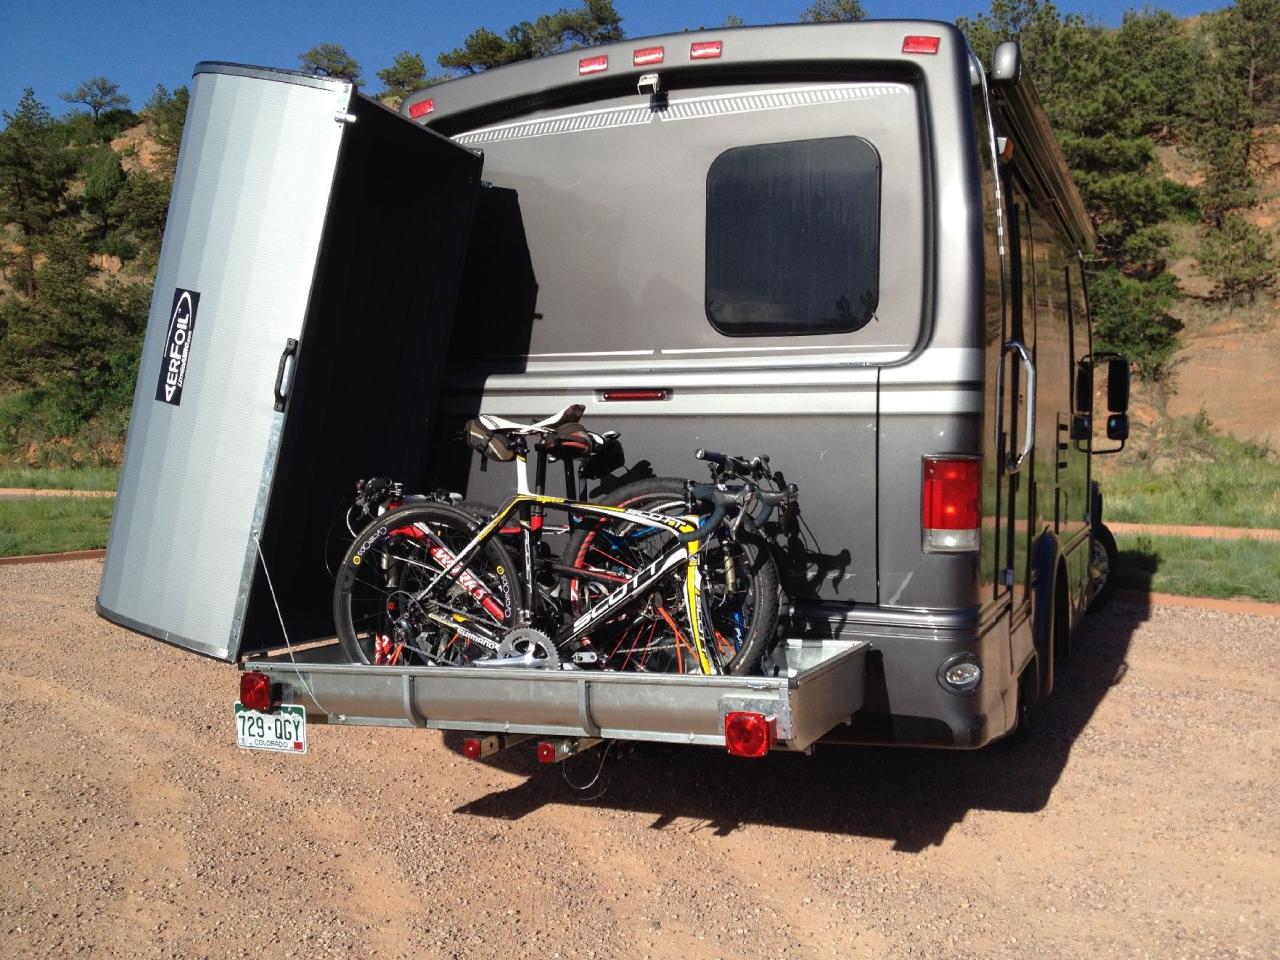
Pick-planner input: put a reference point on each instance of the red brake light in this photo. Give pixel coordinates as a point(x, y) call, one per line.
point(749, 734)
point(593, 65)
point(255, 691)
point(920, 44)
point(421, 109)
point(706, 50)
point(951, 509)
point(620, 395)
point(648, 56)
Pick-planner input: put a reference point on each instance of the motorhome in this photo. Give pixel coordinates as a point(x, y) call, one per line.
point(852, 246)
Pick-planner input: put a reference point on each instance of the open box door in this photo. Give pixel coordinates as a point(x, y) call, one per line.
point(302, 307)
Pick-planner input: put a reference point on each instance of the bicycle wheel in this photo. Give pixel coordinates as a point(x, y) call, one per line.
point(654, 635)
point(380, 611)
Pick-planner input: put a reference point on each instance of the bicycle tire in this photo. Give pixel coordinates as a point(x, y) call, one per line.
point(744, 620)
point(391, 560)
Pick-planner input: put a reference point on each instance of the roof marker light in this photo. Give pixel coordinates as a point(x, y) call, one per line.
point(421, 109)
point(920, 44)
point(588, 65)
point(706, 50)
point(648, 56)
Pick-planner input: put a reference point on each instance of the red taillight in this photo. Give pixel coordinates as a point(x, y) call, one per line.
point(255, 691)
point(648, 56)
point(615, 396)
point(951, 508)
point(592, 65)
point(471, 748)
point(749, 734)
point(706, 50)
point(421, 109)
point(546, 752)
point(920, 44)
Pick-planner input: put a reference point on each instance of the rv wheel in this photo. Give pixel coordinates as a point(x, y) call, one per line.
point(1102, 565)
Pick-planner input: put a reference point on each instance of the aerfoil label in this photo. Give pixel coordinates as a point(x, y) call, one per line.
point(177, 346)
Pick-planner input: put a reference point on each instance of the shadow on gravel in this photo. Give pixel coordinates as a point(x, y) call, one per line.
point(909, 796)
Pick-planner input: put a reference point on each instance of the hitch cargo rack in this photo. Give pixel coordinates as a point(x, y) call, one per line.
point(817, 685)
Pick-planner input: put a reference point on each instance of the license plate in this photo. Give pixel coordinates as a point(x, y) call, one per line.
point(285, 730)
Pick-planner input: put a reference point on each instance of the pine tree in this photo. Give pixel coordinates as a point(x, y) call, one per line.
point(34, 168)
point(98, 94)
point(331, 60)
point(594, 22)
point(833, 11)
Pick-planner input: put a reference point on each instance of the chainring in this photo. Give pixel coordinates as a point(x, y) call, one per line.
point(522, 640)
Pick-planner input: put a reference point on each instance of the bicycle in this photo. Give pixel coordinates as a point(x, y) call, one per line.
point(430, 583)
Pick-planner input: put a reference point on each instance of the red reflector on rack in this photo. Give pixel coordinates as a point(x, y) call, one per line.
point(592, 65)
point(706, 50)
point(648, 56)
point(471, 748)
point(749, 734)
point(421, 109)
point(951, 506)
point(255, 691)
point(618, 396)
point(920, 44)
point(546, 752)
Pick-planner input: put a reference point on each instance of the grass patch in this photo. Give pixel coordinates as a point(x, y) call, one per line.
point(84, 478)
point(1200, 568)
point(54, 524)
point(1196, 477)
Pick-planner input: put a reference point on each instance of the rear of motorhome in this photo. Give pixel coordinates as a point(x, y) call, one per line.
point(851, 246)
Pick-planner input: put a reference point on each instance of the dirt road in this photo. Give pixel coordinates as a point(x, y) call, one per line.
point(1141, 820)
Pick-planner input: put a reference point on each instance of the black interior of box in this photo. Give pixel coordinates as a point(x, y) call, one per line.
point(373, 343)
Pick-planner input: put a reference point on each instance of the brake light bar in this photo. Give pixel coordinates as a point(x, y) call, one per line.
point(648, 56)
point(706, 50)
point(921, 44)
point(421, 109)
point(618, 396)
point(951, 504)
point(589, 65)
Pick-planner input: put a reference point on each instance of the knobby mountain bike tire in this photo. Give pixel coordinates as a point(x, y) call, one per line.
point(654, 635)
point(375, 597)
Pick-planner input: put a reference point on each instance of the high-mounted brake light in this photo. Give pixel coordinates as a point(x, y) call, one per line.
point(648, 56)
point(706, 50)
point(255, 691)
point(617, 396)
point(920, 44)
point(749, 734)
point(589, 65)
point(951, 508)
point(420, 109)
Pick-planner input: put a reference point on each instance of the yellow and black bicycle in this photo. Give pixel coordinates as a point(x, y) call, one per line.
point(661, 575)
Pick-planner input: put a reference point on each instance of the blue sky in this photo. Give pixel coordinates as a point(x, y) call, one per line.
point(53, 45)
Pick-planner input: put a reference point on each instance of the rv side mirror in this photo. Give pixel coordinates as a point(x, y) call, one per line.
point(1006, 64)
point(1118, 427)
point(1117, 385)
point(1084, 386)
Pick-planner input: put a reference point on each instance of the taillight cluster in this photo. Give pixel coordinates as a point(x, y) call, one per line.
point(951, 508)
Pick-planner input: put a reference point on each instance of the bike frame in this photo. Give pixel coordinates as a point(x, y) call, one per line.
point(531, 506)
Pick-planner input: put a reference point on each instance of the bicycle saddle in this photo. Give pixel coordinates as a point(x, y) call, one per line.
point(570, 414)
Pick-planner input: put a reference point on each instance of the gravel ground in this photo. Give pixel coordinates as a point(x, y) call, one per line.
point(1139, 820)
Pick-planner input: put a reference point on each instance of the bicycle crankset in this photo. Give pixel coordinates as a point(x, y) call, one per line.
point(529, 644)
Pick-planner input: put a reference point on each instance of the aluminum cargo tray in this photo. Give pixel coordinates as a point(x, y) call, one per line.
point(818, 685)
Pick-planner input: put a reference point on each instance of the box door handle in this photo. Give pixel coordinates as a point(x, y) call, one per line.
point(284, 373)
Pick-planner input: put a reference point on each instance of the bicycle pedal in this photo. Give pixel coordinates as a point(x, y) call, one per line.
point(586, 656)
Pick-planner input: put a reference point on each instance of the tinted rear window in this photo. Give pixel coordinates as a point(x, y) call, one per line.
point(793, 234)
